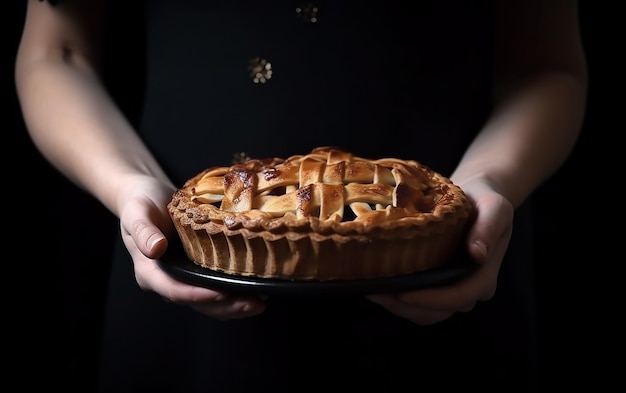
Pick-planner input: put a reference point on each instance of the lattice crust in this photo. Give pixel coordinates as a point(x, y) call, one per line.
point(312, 216)
point(327, 184)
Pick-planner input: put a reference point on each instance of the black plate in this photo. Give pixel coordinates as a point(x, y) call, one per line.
point(176, 264)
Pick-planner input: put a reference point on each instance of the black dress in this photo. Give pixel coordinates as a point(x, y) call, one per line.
point(388, 79)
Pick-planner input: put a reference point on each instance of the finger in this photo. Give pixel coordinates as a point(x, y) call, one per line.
point(138, 221)
point(417, 315)
point(458, 296)
point(210, 302)
point(150, 277)
point(493, 222)
point(449, 299)
point(231, 308)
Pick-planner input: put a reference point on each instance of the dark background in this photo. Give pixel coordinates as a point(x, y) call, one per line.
point(66, 235)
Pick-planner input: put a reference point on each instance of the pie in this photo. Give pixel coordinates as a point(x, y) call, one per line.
point(325, 215)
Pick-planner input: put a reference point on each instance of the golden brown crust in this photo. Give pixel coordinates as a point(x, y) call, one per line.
point(324, 215)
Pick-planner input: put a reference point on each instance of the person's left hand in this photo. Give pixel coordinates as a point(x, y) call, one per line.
point(487, 242)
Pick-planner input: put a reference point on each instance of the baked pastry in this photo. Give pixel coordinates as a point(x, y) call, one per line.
point(326, 215)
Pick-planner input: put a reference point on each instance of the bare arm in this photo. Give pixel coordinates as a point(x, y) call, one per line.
point(541, 80)
point(69, 114)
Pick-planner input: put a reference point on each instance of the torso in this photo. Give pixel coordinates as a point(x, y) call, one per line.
point(377, 81)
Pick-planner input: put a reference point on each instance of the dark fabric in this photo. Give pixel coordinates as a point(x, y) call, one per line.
point(376, 80)
point(390, 79)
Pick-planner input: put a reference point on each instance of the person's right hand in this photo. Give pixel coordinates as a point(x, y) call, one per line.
point(145, 228)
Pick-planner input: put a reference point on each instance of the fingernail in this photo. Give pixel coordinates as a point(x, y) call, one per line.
point(250, 308)
point(220, 298)
point(155, 240)
point(481, 247)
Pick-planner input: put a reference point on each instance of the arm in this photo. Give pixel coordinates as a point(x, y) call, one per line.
point(540, 97)
point(69, 115)
point(79, 128)
point(541, 86)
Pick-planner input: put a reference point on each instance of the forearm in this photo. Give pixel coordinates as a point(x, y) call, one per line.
point(530, 135)
point(79, 129)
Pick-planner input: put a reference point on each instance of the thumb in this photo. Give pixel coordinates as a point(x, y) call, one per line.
point(148, 238)
point(492, 224)
point(140, 223)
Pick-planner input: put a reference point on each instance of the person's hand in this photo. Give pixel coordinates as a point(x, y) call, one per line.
point(145, 226)
point(487, 242)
